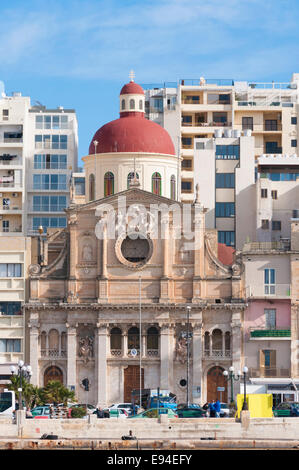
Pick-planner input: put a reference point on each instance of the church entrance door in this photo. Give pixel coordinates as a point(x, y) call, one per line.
point(132, 381)
point(53, 373)
point(215, 379)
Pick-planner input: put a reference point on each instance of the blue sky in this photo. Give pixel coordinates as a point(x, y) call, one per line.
point(78, 54)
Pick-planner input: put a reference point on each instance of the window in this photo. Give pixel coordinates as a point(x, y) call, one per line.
point(49, 203)
point(293, 143)
point(123, 104)
point(264, 193)
point(158, 104)
point(272, 147)
point(225, 209)
point(186, 142)
point(152, 338)
point(271, 125)
point(295, 214)
point(49, 182)
point(172, 187)
point(115, 339)
point(276, 225)
point(48, 222)
point(51, 141)
point(274, 194)
point(5, 226)
point(187, 164)
point(227, 152)
point(140, 105)
point(91, 187)
point(79, 186)
point(156, 184)
point(10, 270)
point(51, 122)
point(131, 177)
point(225, 180)
point(226, 237)
point(133, 338)
point(187, 120)
point(10, 345)
point(5, 114)
point(186, 186)
point(270, 318)
point(265, 224)
point(267, 359)
point(219, 118)
point(269, 281)
point(247, 123)
point(109, 183)
point(50, 162)
point(200, 145)
point(132, 104)
point(10, 308)
point(293, 120)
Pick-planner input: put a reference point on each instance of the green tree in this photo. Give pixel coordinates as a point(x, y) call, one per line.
point(55, 392)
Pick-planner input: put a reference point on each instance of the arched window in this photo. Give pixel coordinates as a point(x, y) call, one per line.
point(115, 339)
point(91, 187)
point(152, 338)
point(133, 338)
point(43, 343)
point(123, 104)
point(108, 184)
point(227, 341)
point(172, 187)
point(132, 104)
point(140, 104)
point(53, 343)
point(156, 184)
point(130, 177)
point(207, 342)
point(217, 340)
point(63, 343)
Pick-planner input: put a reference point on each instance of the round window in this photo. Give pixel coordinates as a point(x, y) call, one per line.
point(183, 382)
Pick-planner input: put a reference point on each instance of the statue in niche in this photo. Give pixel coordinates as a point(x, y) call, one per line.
point(87, 253)
point(181, 348)
point(86, 348)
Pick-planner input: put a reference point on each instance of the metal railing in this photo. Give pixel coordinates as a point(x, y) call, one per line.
point(214, 353)
point(53, 353)
point(149, 352)
point(282, 245)
point(206, 124)
point(268, 290)
point(273, 372)
point(207, 81)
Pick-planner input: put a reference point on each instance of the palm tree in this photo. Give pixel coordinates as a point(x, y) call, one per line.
point(55, 392)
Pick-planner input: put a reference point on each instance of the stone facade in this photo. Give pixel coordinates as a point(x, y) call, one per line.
point(90, 297)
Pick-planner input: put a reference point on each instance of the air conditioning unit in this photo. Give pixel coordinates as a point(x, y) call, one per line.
point(14, 194)
point(10, 172)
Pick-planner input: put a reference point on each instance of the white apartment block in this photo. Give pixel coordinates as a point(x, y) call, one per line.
point(38, 153)
point(224, 171)
point(196, 108)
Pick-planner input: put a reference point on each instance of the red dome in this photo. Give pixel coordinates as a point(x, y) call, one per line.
point(132, 88)
point(132, 133)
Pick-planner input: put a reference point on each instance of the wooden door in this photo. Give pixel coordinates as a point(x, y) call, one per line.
point(132, 381)
point(53, 373)
point(215, 378)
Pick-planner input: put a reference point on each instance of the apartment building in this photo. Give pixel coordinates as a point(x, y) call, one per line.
point(270, 319)
point(197, 108)
point(38, 152)
point(224, 170)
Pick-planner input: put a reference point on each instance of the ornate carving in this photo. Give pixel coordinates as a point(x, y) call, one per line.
point(86, 348)
point(34, 269)
point(181, 349)
point(87, 253)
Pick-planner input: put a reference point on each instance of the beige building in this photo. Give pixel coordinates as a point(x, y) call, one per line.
point(110, 299)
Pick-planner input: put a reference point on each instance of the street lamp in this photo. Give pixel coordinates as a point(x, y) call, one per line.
point(23, 371)
point(245, 405)
point(230, 376)
point(188, 313)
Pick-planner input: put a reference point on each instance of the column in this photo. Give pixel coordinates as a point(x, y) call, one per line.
point(34, 352)
point(236, 340)
point(125, 343)
point(71, 355)
point(197, 342)
point(143, 344)
point(164, 282)
point(103, 281)
point(101, 364)
point(166, 355)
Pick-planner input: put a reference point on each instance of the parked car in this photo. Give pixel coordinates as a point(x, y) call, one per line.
point(224, 410)
point(191, 412)
point(191, 405)
point(125, 406)
point(41, 412)
point(89, 408)
point(154, 413)
point(117, 412)
point(286, 409)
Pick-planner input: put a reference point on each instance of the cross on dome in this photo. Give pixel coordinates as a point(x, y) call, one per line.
point(131, 75)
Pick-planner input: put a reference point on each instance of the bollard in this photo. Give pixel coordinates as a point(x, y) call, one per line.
point(245, 419)
point(163, 419)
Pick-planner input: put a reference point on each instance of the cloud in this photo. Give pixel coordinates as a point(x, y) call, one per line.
point(159, 39)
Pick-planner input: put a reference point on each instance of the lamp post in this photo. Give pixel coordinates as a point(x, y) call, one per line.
point(188, 314)
point(230, 376)
point(22, 371)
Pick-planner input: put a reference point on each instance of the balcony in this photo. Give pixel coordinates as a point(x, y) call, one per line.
point(266, 291)
point(273, 332)
point(217, 354)
point(53, 353)
point(149, 353)
point(282, 245)
point(206, 124)
point(269, 372)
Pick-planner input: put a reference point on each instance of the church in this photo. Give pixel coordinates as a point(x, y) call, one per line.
point(135, 292)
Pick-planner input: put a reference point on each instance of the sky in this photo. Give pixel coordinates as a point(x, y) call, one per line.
point(78, 54)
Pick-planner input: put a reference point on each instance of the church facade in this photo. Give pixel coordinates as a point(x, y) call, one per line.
point(133, 293)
